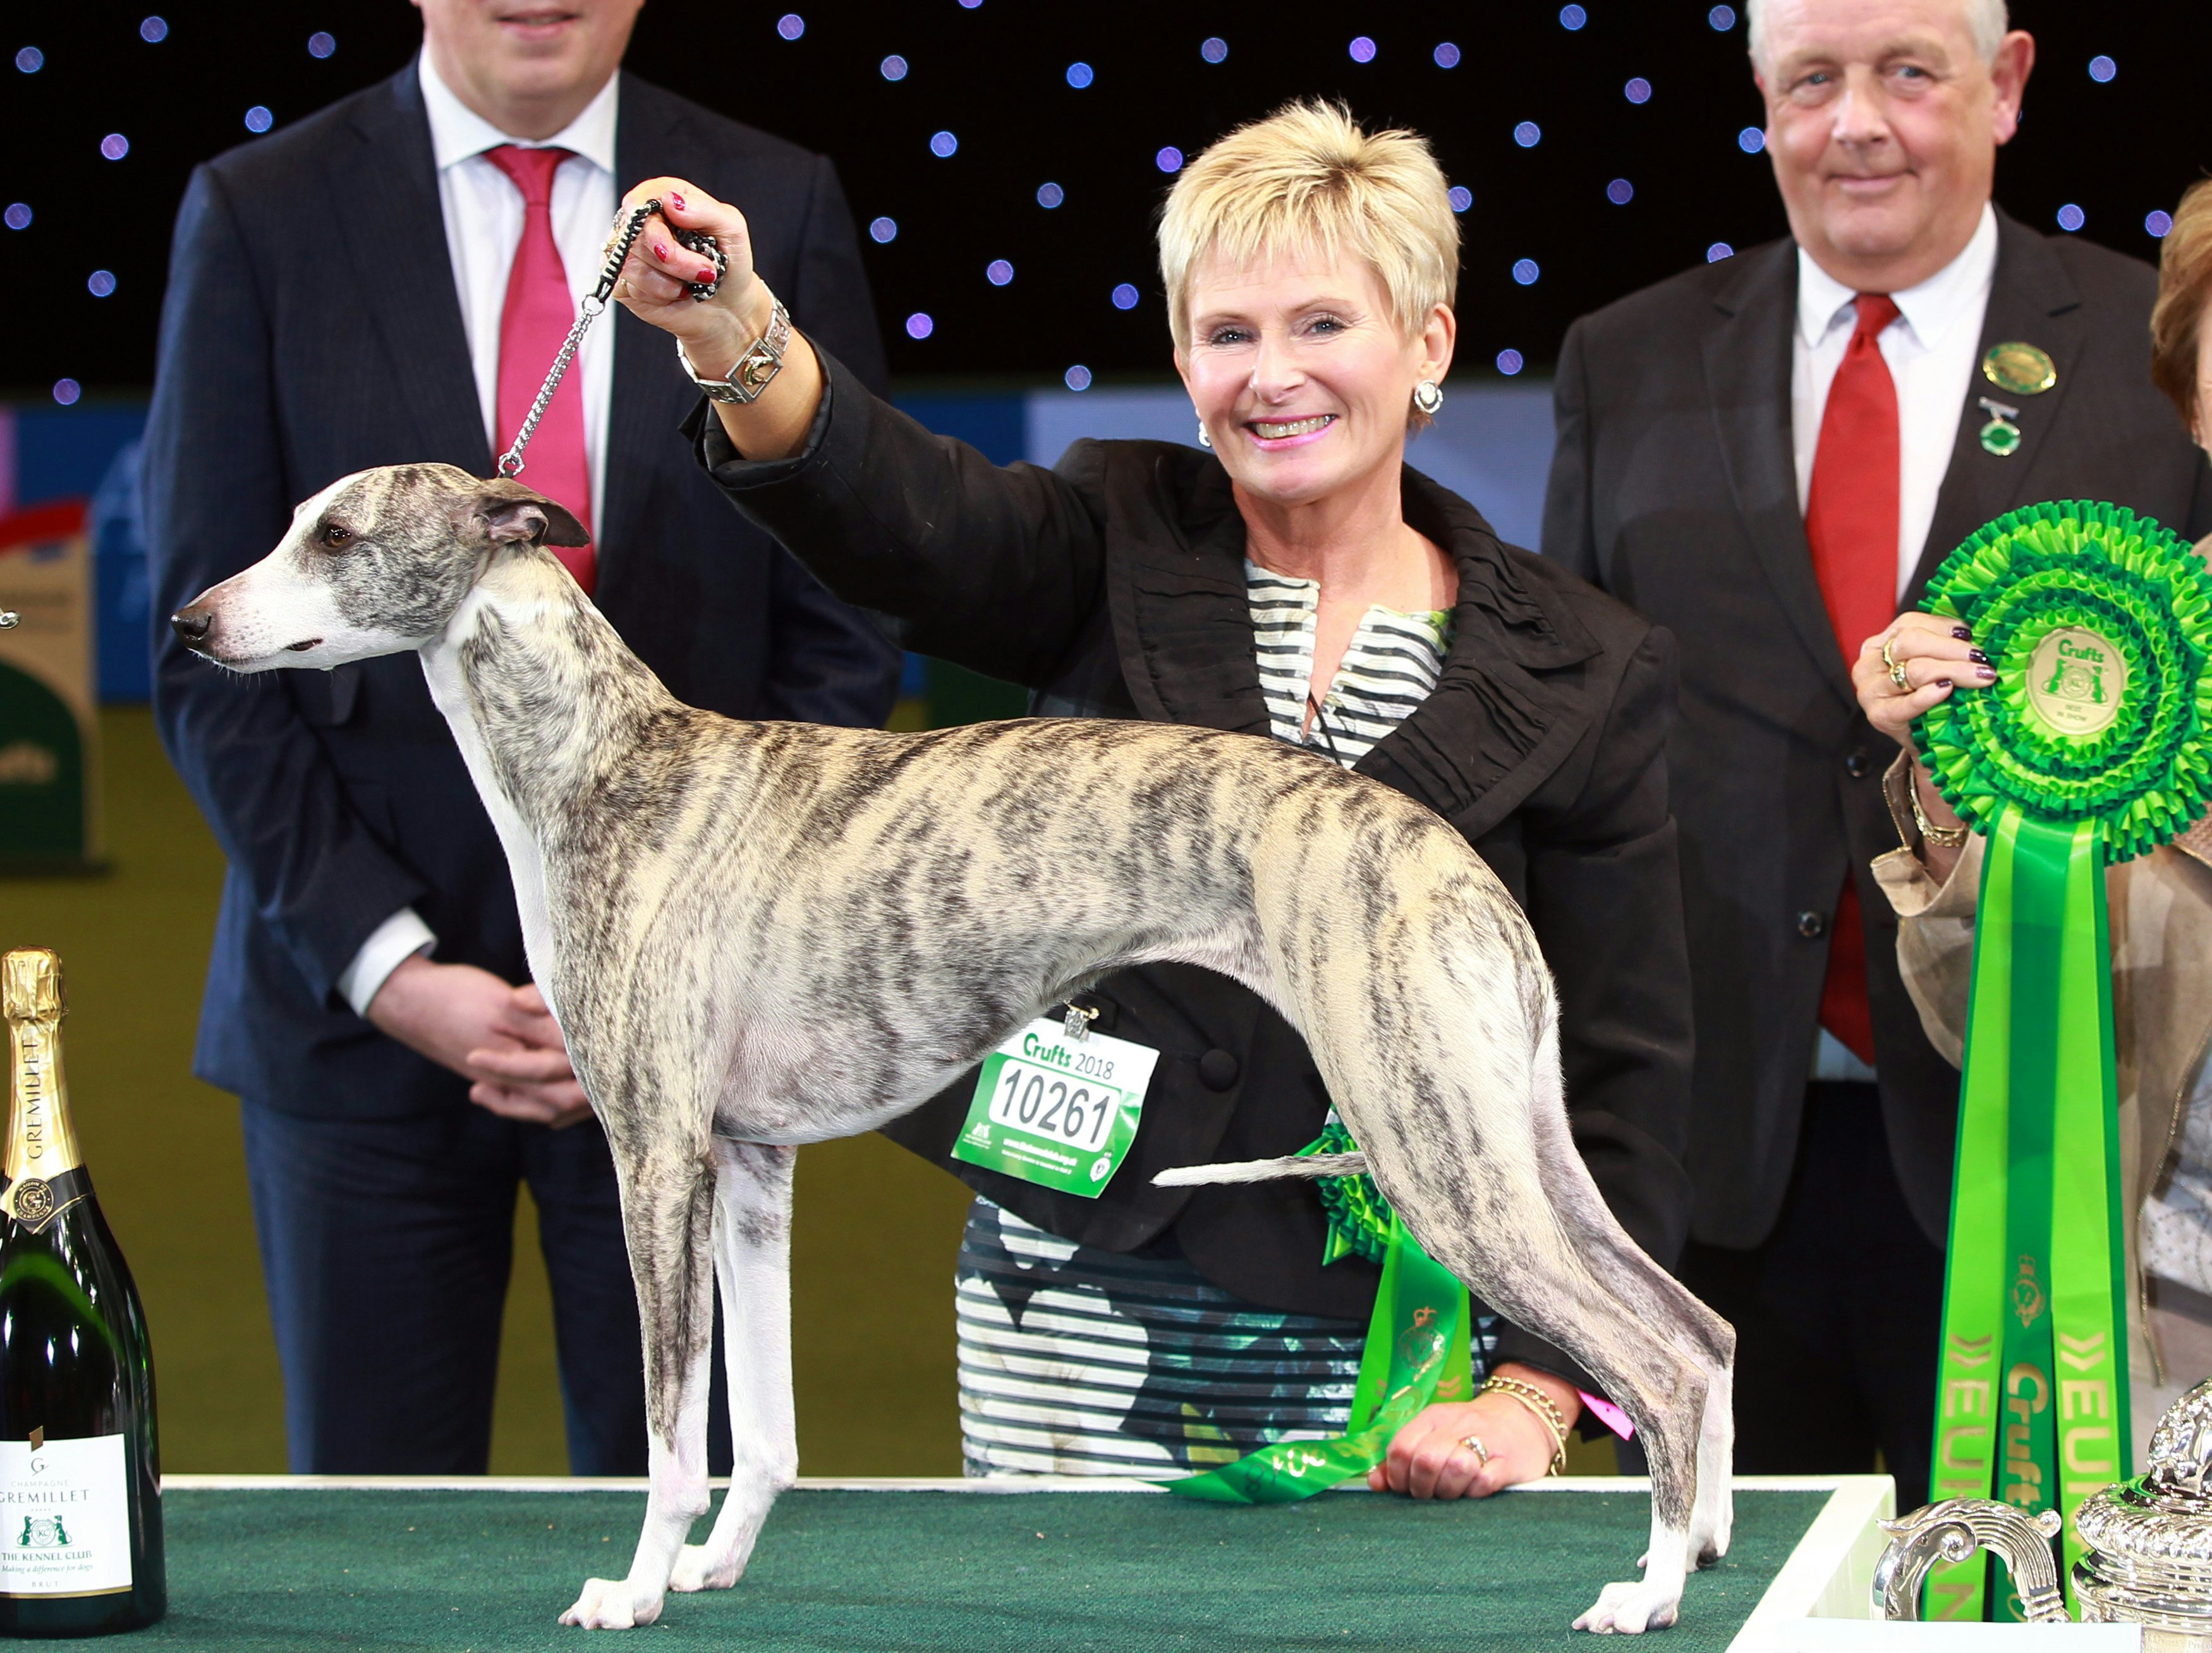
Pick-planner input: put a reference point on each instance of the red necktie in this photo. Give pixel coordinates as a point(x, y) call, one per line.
point(1850, 519)
point(539, 311)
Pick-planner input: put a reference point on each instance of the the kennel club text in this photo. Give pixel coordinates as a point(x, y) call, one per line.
point(1057, 1110)
point(64, 1518)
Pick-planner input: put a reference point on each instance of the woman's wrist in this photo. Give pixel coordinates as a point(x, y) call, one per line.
point(1561, 1394)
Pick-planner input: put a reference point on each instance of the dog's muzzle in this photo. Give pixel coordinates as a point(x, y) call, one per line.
point(191, 626)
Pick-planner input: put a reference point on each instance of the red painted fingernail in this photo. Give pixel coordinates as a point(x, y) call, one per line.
point(1962, 633)
point(658, 251)
point(704, 276)
point(677, 202)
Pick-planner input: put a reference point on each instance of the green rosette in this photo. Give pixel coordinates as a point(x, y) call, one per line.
point(2090, 749)
point(1417, 1352)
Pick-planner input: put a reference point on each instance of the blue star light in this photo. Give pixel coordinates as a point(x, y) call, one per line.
point(1572, 18)
point(918, 326)
point(1362, 49)
point(1446, 54)
point(2157, 225)
point(943, 145)
point(1638, 90)
point(2071, 218)
point(153, 30)
point(1125, 297)
point(1050, 195)
point(1078, 377)
point(115, 146)
point(321, 44)
point(2102, 69)
point(1079, 76)
point(1620, 192)
point(1751, 140)
point(1169, 159)
point(1719, 251)
point(791, 26)
point(882, 231)
point(18, 215)
point(999, 272)
point(30, 60)
point(99, 284)
point(893, 68)
point(1721, 19)
point(1510, 362)
point(1528, 134)
point(1215, 49)
point(259, 119)
point(1461, 198)
point(1525, 271)
point(66, 391)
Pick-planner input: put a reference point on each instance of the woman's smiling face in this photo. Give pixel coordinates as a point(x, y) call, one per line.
point(1300, 374)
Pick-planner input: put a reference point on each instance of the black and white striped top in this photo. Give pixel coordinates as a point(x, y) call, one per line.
point(1390, 667)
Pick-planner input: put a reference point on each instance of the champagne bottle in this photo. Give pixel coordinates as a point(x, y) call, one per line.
point(80, 1470)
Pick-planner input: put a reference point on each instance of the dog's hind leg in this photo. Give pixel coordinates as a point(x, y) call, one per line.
point(668, 1205)
point(752, 1261)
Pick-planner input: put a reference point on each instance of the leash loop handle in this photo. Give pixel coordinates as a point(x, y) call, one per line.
point(627, 227)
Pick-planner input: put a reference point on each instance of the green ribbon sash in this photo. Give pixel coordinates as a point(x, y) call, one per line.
point(2089, 750)
point(1418, 1350)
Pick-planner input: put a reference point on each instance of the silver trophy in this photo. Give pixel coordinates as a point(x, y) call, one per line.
point(2148, 1543)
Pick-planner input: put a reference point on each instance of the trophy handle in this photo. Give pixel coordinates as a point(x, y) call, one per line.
point(1954, 1530)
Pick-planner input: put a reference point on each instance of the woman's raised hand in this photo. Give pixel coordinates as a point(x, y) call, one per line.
point(1935, 655)
point(654, 279)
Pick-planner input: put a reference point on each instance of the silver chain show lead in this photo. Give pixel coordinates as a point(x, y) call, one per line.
point(624, 237)
point(8, 617)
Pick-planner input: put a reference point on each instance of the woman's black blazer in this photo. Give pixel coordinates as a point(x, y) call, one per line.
point(1113, 585)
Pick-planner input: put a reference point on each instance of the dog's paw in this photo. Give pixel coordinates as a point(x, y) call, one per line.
point(697, 1568)
point(1629, 1609)
point(612, 1604)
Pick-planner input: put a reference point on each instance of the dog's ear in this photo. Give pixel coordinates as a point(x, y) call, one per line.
point(511, 513)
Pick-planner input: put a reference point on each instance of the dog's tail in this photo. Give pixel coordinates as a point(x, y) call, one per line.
point(1265, 1170)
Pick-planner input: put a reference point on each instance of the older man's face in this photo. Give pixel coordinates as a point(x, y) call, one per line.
point(1883, 122)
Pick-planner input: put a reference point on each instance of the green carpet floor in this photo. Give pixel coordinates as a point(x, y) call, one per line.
point(918, 1572)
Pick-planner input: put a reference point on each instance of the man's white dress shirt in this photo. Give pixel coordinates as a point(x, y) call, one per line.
point(484, 226)
point(1931, 352)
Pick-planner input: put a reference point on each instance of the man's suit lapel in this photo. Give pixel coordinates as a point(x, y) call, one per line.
point(395, 233)
point(651, 397)
point(1748, 356)
point(2031, 300)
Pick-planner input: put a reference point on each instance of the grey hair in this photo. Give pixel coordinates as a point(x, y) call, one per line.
point(1987, 19)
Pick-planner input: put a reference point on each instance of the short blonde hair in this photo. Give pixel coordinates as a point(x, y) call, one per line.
point(1307, 178)
point(2184, 288)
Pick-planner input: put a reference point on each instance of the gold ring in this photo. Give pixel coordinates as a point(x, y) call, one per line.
point(1896, 666)
point(1473, 1444)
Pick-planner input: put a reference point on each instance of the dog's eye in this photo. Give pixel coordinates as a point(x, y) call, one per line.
point(335, 536)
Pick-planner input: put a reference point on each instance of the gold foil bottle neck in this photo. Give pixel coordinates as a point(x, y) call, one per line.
point(31, 985)
point(41, 1142)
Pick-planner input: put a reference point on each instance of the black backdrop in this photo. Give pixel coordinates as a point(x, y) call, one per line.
point(995, 74)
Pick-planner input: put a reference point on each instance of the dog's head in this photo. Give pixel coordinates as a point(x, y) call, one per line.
point(374, 564)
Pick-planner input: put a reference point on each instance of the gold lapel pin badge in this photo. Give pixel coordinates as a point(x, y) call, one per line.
point(2019, 368)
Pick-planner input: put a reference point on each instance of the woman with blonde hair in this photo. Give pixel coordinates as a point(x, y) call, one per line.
point(2161, 906)
point(1298, 580)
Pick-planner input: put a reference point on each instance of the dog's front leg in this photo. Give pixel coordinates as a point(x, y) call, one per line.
point(752, 1260)
point(668, 1203)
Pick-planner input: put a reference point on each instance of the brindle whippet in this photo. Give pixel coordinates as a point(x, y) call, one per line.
point(712, 908)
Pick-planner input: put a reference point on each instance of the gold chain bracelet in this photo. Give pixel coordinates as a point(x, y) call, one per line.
point(1539, 1406)
point(1942, 837)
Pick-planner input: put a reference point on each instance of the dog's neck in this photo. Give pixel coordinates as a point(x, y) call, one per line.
point(546, 702)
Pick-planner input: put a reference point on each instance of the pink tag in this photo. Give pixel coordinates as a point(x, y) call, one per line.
point(1608, 1414)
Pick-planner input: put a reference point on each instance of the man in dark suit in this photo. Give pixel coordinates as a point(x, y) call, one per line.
point(384, 281)
point(1770, 455)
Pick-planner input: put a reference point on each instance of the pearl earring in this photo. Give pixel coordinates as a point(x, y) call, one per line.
point(1204, 440)
point(1428, 396)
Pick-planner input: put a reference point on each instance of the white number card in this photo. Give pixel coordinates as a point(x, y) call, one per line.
point(1055, 1110)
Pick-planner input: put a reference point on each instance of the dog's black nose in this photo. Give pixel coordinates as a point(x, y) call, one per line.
point(191, 625)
